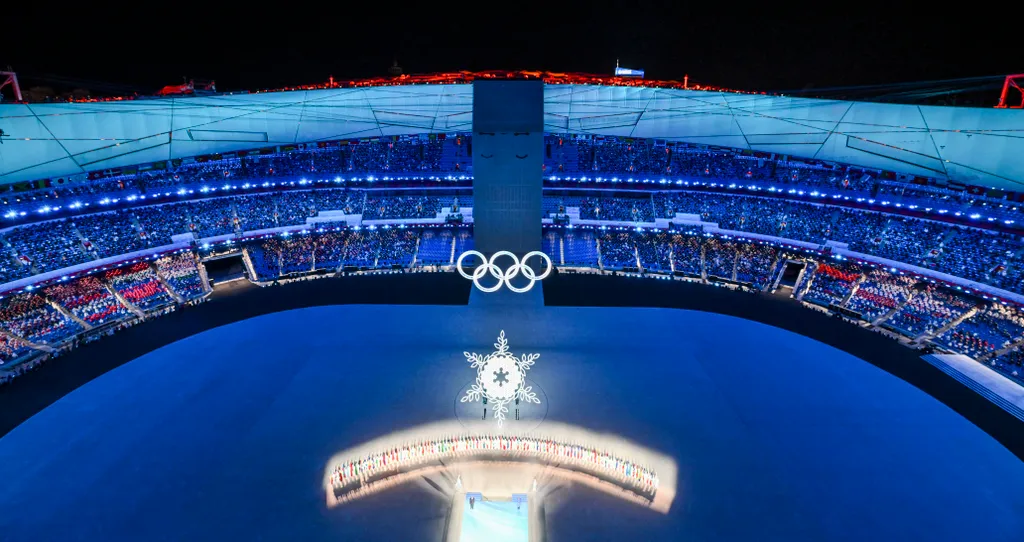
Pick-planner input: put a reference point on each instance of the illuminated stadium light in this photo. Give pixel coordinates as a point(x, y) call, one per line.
point(500, 379)
point(504, 278)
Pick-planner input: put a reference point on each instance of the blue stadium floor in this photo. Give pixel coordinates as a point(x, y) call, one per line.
point(225, 435)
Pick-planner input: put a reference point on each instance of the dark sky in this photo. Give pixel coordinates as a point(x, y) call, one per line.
point(273, 44)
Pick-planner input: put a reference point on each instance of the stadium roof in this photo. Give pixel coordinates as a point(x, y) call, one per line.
point(963, 145)
point(455, 78)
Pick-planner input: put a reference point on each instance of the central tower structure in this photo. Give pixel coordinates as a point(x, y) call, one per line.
point(508, 147)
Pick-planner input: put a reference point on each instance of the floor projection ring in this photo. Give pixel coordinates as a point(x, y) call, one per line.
point(504, 277)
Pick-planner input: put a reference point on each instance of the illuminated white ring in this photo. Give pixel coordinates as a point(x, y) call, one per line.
point(528, 272)
point(503, 277)
point(479, 272)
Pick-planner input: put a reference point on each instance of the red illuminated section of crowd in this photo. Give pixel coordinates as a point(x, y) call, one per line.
point(452, 78)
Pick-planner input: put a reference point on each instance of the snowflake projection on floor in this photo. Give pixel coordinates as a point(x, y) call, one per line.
point(500, 378)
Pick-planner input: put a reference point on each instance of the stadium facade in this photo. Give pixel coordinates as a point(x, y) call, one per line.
point(968, 146)
point(117, 207)
point(900, 220)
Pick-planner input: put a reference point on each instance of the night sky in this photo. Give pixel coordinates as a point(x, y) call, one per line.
point(270, 45)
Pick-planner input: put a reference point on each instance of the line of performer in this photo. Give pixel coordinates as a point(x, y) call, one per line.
point(396, 458)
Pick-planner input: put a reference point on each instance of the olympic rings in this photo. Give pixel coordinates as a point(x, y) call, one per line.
point(504, 278)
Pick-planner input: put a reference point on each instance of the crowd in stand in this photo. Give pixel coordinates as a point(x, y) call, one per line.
point(211, 217)
point(296, 253)
point(579, 249)
point(30, 317)
point(570, 156)
point(564, 155)
point(972, 253)
point(401, 207)
point(720, 258)
point(658, 160)
point(108, 234)
point(617, 209)
point(394, 247)
point(87, 299)
point(655, 251)
point(11, 349)
point(265, 256)
point(987, 257)
point(903, 240)
point(405, 155)
point(394, 460)
point(46, 247)
point(989, 330)
point(43, 321)
point(17, 358)
point(880, 292)
point(756, 264)
point(983, 256)
point(832, 282)
point(902, 301)
point(54, 245)
point(182, 273)
point(618, 251)
point(435, 247)
point(253, 213)
point(138, 285)
point(928, 312)
point(1012, 363)
point(329, 251)
point(361, 249)
point(273, 257)
point(687, 254)
point(463, 241)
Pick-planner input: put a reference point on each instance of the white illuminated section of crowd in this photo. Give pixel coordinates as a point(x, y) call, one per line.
point(503, 278)
point(552, 454)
